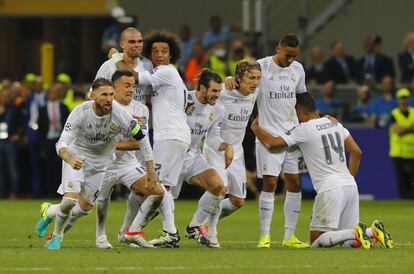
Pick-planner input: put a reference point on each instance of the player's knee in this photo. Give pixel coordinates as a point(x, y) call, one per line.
point(237, 202)
point(67, 204)
point(217, 189)
point(269, 183)
point(293, 182)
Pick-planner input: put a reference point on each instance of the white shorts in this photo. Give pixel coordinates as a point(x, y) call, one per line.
point(194, 164)
point(85, 181)
point(126, 176)
point(169, 158)
point(234, 176)
point(273, 162)
point(336, 209)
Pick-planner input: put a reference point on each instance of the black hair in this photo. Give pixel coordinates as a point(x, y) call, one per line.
point(289, 40)
point(206, 76)
point(119, 73)
point(306, 101)
point(101, 82)
point(162, 36)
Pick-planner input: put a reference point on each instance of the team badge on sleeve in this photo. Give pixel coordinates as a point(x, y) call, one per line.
point(153, 70)
point(290, 131)
point(68, 126)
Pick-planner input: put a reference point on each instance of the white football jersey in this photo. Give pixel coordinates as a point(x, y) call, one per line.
point(169, 100)
point(237, 111)
point(277, 95)
point(204, 120)
point(123, 158)
point(108, 68)
point(322, 144)
point(92, 136)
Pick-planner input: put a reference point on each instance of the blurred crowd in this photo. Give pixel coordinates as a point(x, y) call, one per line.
point(32, 114)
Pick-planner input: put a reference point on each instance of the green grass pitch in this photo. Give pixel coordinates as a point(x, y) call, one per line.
point(21, 252)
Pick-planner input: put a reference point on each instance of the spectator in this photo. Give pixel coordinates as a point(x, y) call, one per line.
point(194, 65)
point(406, 60)
point(70, 98)
point(187, 45)
point(379, 110)
point(11, 127)
point(238, 53)
point(359, 112)
point(36, 99)
point(329, 104)
point(402, 143)
point(315, 73)
point(217, 60)
point(52, 118)
point(340, 67)
point(374, 65)
point(216, 34)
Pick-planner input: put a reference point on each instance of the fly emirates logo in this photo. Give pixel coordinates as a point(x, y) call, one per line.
point(241, 117)
point(283, 93)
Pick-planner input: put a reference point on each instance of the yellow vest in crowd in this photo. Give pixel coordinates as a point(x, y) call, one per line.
point(218, 66)
point(402, 146)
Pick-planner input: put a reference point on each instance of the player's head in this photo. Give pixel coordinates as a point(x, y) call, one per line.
point(162, 48)
point(124, 84)
point(247, 76)
point(305, 106)
point(102, 94)
point(209, 86)
point(131, 42)
point(287, 50)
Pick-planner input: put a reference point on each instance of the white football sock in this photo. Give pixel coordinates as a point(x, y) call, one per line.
point(369, 232)
point(212, 220)
point(206, 205)
point(266, 206)
point(52, 210)
point(349, 244)
point(134, 202)
point(146, 212)
point(101, 214)
point(227, 208)
point(77, 212)
point(63, 214)
point(292, 210)
point(332, 238)
point(167, 213)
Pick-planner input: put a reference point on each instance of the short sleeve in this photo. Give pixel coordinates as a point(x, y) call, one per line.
point(301, 87)
point(346, 133)
point(295, 136)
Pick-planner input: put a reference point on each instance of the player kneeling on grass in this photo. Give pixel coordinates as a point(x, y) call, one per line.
point(335, 218)
point(86, 147)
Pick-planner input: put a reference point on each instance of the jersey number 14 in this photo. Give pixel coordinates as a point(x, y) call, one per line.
point(328, 142)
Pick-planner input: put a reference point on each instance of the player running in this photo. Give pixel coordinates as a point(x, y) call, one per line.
point(335, 217)
point(238, 104)
point(86, 147)
point(204, 119)
point(172, 136)
point(126, 169)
